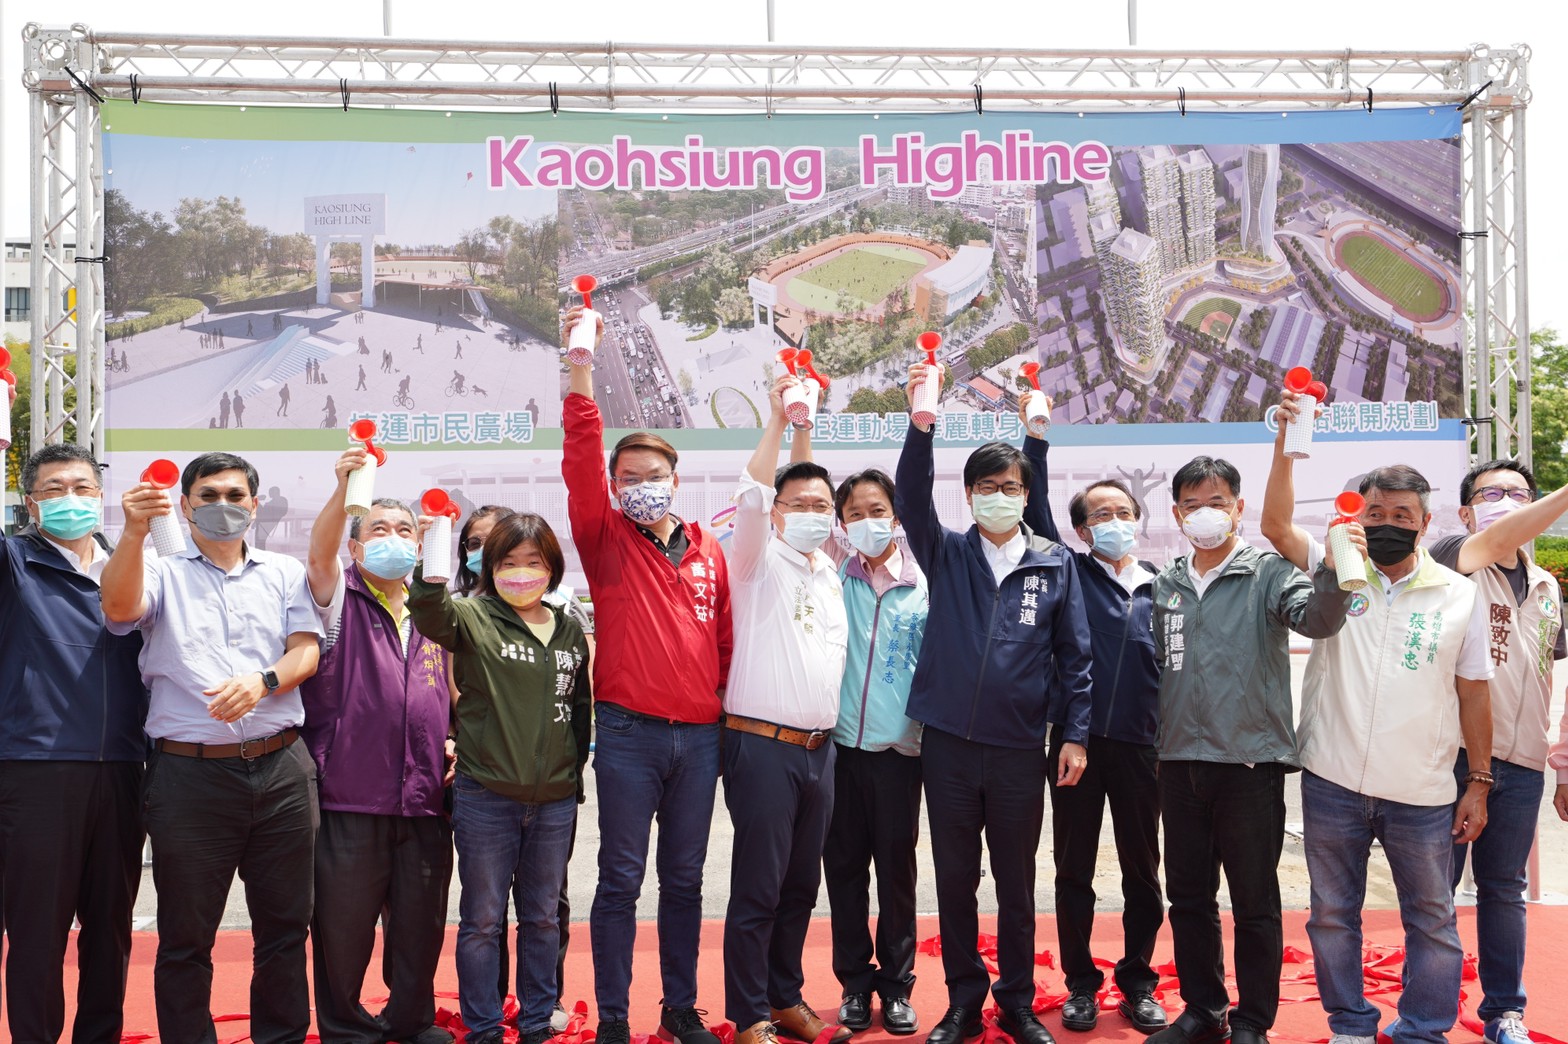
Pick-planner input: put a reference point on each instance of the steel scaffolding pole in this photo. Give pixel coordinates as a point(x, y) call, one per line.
point(68, 71)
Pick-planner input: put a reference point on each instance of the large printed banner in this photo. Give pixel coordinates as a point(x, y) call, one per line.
point(278, 273)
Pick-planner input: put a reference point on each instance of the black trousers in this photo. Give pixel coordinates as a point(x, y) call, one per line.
point(71, 834)
point(780, 798)
point(974, 787)
point(1232, 817)
point(395, 867)
point(876, 820)
point(209, 819)
point(1124, 775)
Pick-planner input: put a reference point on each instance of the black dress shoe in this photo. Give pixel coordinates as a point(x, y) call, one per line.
point(1024, 1026)
point(957, 1025)
point(1144, 1012)
point(1189, 1029)
point(1081, 1010)
point(1247, 1035)
point(855, 1012)
point(898, 1016)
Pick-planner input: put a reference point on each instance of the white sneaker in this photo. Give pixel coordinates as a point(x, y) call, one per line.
point(558, 1019)
point(1507, 1028)
point(1347, 1038)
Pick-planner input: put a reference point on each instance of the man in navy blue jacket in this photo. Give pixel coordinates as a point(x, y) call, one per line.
point(1118, 595)
point(1006, 652)
point(71, 754)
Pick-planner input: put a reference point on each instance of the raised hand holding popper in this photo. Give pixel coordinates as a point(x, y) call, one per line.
point(796, 408)
point(924, 413)
point(5, 414)
point(1348, 564)
point(437, 553)
point(1037, 411)
point(1298, 433)
point(580, 343)
point(362, 480)
point(167, 537)
point(812, 384)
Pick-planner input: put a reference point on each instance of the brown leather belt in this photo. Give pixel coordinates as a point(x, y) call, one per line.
point(810, 739)
point(250, 750)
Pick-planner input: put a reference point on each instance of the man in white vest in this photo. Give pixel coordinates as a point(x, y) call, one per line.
point(1502, 511)
point(1384, 705)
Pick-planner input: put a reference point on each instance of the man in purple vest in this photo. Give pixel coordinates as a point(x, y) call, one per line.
point(376, 717)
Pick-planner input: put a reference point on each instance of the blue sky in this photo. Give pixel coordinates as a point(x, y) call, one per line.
point(430, 198)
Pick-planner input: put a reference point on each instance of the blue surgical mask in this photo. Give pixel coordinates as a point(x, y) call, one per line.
point(475, 560)
point(870, 536)
point(390, 557)
point(1114, 539)
point(806, 530)
point(71, 517)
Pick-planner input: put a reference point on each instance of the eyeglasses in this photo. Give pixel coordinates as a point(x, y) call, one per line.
point(1218, 504)
point(814, 507)
point(54, 492)
point(628, 481)
point(1492, 494)
point(1012, 489)
point(1106, 514)
point(473, 544)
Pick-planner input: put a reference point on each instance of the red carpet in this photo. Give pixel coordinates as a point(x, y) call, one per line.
point(1300, 1020)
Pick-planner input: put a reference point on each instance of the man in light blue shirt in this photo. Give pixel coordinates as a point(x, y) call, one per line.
point(228, 634)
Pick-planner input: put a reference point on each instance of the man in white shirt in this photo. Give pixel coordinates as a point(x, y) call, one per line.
point(1384, 704)
point(780, 707)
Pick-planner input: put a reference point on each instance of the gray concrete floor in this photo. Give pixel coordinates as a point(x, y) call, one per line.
point(1553, 842)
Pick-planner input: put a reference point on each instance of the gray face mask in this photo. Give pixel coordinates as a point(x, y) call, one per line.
point(221, 522)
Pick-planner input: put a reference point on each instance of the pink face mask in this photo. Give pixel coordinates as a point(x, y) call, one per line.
point(521, 587)
point(1488, 512)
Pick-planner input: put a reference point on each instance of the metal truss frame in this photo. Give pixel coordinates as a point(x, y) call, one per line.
point(68, 71)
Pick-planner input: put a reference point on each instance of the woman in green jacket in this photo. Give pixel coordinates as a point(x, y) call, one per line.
point(522, 740)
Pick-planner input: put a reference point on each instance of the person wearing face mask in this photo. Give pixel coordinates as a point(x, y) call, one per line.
point(780, 706)
point(1006, 653)
point(71, 753)
point(376, 716)
point(876, 770)
point(1384, 705)
point(230, 632)
point(1124, 715)
point(1226, 739)
point(523, 728)
point(1503, 511)
point(661, 596)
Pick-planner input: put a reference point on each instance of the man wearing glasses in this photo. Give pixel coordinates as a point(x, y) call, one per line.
point(780, 706)
point(1006, 653)
point(1502, 512)
point(1118, 594)
point(71, 753)
point(661, 597)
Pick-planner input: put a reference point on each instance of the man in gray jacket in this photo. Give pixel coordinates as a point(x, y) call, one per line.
point(1226, 741)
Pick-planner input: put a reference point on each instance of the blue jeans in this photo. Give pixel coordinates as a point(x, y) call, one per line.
point(507, 845)
point(645, 768)
point(1339, 826)
point(1498, 859)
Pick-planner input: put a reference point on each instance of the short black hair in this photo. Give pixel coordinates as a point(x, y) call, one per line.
point(517, 528)
point(875, 476)
point(1078, 507)
point(60, 453)
point(1467, 484)
point(994, 458)
point(211, 464)
point(800, 471)
point(1199, 470)
point(1399, 478)
point(386, 502)
point(467, 579)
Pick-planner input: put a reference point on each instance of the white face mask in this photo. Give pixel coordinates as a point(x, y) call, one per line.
point(996, 512)
point(647, 502)
point(1488, 512)
point(806, 530)
point(870, 536)
point(1207, 528)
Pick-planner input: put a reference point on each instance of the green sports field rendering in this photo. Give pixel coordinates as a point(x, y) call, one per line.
point(867, 273)
point(1213, 316)
point(1392, 276)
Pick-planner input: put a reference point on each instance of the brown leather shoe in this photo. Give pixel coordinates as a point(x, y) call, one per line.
point(801, 1023)
point(760, 1033)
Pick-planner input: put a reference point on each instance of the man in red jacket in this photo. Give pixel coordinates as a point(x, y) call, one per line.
point(662, 620)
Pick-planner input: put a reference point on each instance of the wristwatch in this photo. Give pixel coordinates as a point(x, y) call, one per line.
point(269, 678)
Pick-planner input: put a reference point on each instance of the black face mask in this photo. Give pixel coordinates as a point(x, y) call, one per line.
point(1390, 545)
